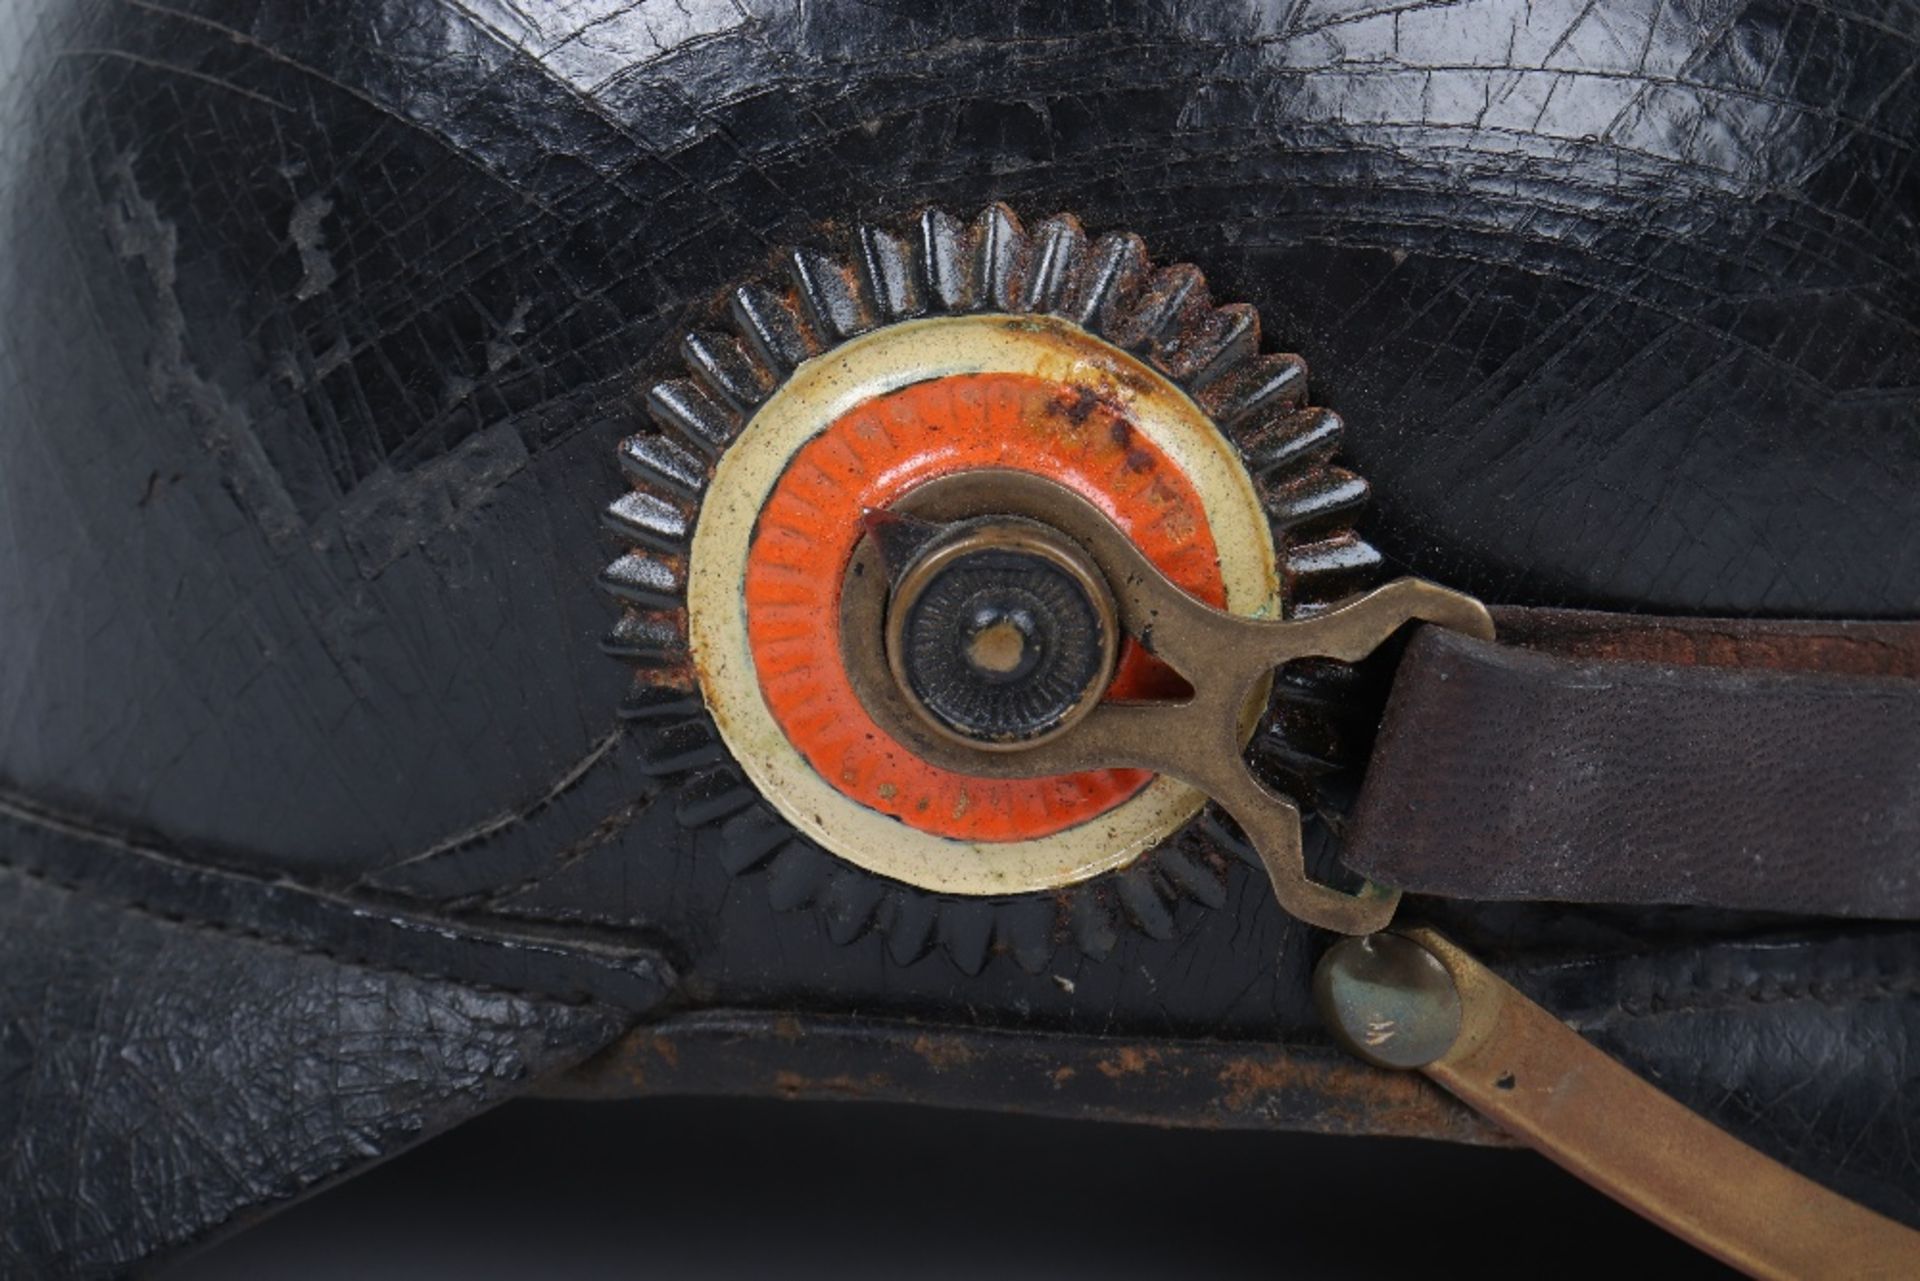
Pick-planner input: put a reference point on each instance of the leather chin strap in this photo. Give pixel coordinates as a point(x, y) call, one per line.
point(1605, 758)
point(1608, 758)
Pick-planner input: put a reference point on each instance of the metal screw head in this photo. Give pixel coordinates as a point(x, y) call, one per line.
point(1388, 1000)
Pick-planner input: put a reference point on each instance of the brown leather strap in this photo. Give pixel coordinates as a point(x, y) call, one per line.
point(1612, 759)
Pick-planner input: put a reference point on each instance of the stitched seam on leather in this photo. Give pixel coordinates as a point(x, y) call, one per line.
point(632, 962)
point(1760, 992)
point(266, 939)
point(604, 831)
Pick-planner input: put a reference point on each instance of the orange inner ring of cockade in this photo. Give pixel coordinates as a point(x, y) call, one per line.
point(870, 457)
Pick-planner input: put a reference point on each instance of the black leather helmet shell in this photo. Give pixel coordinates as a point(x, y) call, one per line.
point(320, 323)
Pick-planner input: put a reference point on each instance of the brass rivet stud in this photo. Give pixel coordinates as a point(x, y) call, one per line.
point(1388, 1000)
point(1000, 642)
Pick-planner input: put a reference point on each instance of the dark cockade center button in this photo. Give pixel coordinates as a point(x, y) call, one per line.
point(1000, 630)
point(1001, 645)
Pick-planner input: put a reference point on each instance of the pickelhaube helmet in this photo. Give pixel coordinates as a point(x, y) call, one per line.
point(1301, 567)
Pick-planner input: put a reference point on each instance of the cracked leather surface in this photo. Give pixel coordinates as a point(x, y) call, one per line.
point(315, 315)
point(158, 1080)
point(1617, 301)
point(1773, 1037)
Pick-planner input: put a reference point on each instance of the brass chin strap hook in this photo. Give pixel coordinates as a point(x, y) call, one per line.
point(1225, 658)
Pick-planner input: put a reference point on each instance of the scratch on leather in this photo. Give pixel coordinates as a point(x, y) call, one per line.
point(500, 822)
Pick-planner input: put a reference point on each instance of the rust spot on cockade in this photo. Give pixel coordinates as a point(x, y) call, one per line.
point(1080, 408)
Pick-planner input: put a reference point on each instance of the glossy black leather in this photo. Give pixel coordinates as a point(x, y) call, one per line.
point(315, 316)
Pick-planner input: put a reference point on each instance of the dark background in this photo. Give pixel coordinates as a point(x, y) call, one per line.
point(734, 1188)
